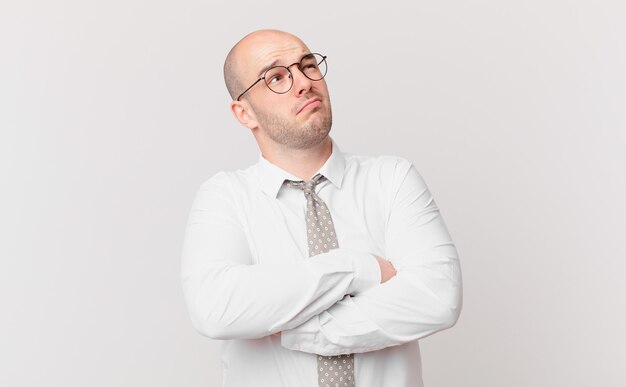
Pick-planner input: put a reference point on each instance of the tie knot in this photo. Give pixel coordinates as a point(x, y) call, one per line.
point(307, 186)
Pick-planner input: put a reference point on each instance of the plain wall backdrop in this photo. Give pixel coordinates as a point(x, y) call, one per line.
point(112, 113)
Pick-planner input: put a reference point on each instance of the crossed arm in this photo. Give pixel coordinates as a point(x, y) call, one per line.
point(423, 298)
point(343, 301)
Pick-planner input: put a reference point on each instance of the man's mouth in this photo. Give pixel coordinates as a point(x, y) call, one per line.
point(310, 104)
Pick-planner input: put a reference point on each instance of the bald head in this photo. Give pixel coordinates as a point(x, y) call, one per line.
point(243, 52)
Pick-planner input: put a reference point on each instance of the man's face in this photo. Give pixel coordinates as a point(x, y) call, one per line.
point(298, 119)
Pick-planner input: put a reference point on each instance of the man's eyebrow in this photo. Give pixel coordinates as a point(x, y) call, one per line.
point(274, 63)
point(269, 66)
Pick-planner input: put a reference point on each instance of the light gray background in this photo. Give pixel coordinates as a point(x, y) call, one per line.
point(112, 113)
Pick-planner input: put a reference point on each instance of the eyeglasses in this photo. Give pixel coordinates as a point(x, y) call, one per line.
point(279, 78)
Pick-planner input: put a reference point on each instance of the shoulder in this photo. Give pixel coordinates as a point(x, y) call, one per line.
point(385, 166)
point(390, 175)
point(229, 184)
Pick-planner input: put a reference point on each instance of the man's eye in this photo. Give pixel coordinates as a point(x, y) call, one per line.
point(276, 78)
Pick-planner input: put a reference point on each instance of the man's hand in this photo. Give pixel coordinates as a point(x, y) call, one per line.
point(387, 271)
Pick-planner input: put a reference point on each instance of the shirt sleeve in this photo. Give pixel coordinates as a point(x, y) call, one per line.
point(424, 297)
point(229, 296)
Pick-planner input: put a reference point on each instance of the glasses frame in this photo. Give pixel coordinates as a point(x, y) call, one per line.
point(290, 74)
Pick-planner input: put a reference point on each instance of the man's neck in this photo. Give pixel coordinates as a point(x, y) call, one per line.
point(302, 163)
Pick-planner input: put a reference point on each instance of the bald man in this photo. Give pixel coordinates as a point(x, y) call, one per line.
point(315, 267)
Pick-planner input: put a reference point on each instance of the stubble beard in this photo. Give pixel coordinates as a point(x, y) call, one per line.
point(306, 136)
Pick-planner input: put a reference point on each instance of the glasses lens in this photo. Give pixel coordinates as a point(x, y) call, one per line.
point(313, 66)
point(278, 79)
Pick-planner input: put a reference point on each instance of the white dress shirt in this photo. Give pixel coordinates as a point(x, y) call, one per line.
point(246, 273)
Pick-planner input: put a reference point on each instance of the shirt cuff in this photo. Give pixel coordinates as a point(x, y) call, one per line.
point(366, 272)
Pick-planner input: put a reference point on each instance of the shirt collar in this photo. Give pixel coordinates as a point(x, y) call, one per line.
point(271, 177)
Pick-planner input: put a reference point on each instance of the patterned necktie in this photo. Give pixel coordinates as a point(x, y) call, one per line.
point(332, 371)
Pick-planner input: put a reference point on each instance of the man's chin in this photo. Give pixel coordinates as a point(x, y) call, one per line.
point(312, 136)
point(319, 119)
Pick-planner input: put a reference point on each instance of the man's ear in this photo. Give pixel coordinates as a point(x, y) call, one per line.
point(244, 114)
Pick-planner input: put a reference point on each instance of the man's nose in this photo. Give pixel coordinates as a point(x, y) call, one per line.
point(301, 84)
